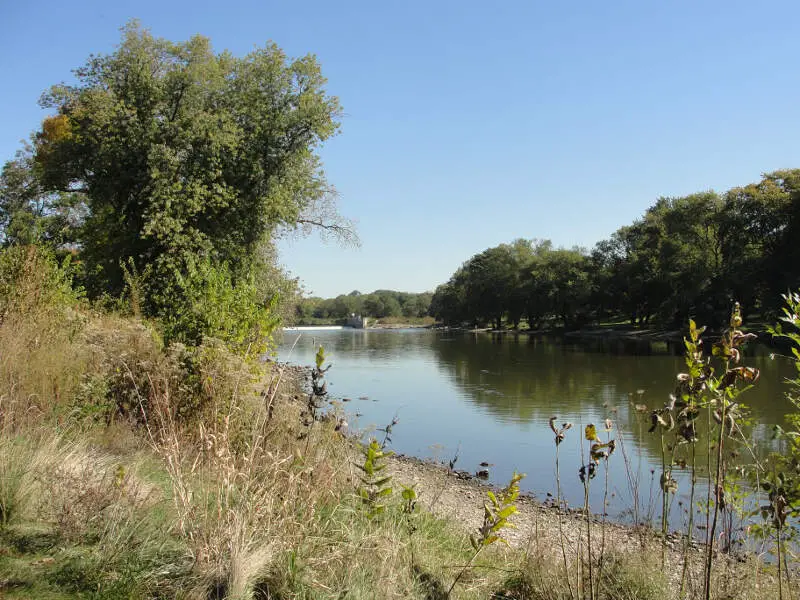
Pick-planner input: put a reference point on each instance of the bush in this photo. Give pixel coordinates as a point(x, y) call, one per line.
point(32, 281)
point(214, 305)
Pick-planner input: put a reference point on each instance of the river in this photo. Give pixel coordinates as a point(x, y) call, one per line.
point(489, 397)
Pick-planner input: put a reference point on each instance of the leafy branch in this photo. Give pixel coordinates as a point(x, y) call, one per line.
point(496, 514)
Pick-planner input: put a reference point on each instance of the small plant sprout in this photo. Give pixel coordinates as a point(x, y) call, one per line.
point(409, 499)
point(374, 486)
point(319, 389)
point(496, 514)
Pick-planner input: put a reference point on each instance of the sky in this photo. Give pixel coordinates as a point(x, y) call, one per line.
point(470, 124)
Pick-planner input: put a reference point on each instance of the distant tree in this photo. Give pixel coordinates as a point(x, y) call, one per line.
point(762, 225)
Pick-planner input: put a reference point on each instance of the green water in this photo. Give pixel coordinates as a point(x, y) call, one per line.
point(489, 398)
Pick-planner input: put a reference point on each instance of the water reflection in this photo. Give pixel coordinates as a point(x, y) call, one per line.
point(492, 395)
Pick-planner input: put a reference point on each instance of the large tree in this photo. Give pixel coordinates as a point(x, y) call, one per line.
point(187, 158)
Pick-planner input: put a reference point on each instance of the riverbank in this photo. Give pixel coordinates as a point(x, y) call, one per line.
point(615, 333)
point(610, 333)
point(550, 535)
point(133, 471)
point(372, 323)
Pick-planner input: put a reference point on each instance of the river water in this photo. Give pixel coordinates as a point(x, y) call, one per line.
point(488, 398)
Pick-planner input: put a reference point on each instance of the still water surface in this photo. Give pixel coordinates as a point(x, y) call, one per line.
point(489, 398)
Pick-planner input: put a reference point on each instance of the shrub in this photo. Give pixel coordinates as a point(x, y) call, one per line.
point(32, 282)
point(216, 305)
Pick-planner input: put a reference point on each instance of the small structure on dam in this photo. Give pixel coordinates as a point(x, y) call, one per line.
point(356, 321)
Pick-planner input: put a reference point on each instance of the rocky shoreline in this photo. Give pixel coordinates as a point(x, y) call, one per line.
point(545, 532)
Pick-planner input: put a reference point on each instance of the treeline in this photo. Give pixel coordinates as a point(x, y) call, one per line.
point(380, 304)
point(686, 257)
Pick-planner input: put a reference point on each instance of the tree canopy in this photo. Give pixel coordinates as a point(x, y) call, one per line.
point(170, 159)
point(685, 257)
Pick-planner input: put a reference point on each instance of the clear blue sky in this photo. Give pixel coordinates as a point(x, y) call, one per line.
point(470, 124)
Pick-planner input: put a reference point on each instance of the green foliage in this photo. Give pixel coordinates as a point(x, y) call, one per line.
point(33, 281)
point(780, 479)
point(523, 279)
point(379, 304)
point(29, 214)
point(684, 258)
point(409, 496)
point(496, 514)
point(319, 389)
point(375, 487)
point(181, 172)
point(217, 306)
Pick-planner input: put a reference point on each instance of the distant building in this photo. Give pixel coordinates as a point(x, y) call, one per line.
point(356, 321)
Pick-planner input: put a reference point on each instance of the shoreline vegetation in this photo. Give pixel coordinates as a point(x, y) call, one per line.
point(135, 469)
point(118, 454)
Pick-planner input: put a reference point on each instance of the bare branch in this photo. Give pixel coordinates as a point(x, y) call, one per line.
point(322, 216)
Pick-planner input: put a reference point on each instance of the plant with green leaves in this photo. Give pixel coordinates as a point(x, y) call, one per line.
point(689, 397)
point(375, 488)
point(319, 388)
point(696, 390)
point(496, 514)
point(316, 397)
point(728, 413)
point(781, 477)
point(219, 305)
point(409, 496)
point(387, 431)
